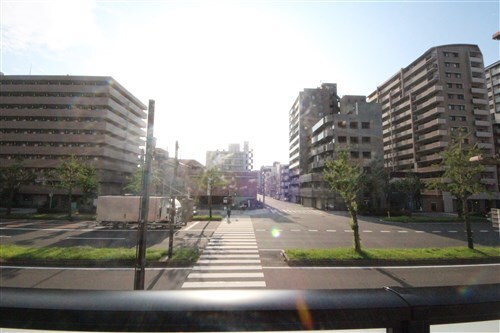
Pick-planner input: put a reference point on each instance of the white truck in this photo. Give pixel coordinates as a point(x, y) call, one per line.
point(124, 211)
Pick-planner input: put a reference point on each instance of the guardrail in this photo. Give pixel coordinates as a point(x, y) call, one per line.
point(397, 309)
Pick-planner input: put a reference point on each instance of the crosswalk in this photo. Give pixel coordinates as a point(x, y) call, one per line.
point(230, 260)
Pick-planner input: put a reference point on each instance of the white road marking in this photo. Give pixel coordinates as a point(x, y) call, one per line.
point(367, 231)
point(331, 231)
point(403, 231)
point(228, 268)
point(3, 236)
point(312, 230)
point(225, 275)
point(224, 284)
point(386, 231)
point(295, 230)
point(436, 231)
point(96, 238)
point(228, 261)
point(190, 227)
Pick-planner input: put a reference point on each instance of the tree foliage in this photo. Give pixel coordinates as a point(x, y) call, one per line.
point(461, 177)
point(71, 174)
point(345, 178)
point(411, 188)
point(377, 184)
point(12, 178)
point(133, 183)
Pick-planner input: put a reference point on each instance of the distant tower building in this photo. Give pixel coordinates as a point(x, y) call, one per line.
point(233, 159)
point(47, 118)
point(441, 93)
point(309, 107)
point(493, 86)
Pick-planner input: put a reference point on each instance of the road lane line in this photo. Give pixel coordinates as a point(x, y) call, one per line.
point(331, 231)
point(2, 236)
point(191, 226)
point(97, 238)
point(312, 230)
point(227, 267)
point(436, 231)
point(367, 231)
point(295, 230)
point(386, 231)
point(403, 231)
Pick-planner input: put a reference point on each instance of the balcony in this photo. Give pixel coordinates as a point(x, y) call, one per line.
point(431, 113)
point(478, 91)
point(428, 158)
point(430, 124)
point(478, 80)
point(477, 69)
point(481, 134)
point(480, 112)
point(431, 101)
point(480, 101)
point(432, 135)
point(482, 123)
point(432, 146)
point(475, 59)
point(484, 145)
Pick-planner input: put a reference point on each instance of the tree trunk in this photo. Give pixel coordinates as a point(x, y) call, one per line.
point(70, 193)
point(470, 241)
point(355, 228)
point(9, 202)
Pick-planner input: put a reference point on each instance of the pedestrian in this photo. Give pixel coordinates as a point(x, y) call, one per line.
point(228, 212)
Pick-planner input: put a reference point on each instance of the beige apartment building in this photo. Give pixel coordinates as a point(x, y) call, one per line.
point(308, 108)
point(44, 119)
point(441, 93)
point(357, 128)
point(493, 85)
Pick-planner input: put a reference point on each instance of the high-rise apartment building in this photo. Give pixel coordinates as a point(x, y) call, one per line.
point(357, 128)
point(233, 159)
point(441, 93)
point(44, 119)
point(309, 107)
point(493, 86)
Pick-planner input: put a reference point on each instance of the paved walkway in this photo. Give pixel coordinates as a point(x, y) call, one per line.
point(230, 260)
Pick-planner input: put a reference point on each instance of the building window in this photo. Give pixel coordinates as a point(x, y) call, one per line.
point(365, 125)
point(353, 124)
point(458, 75)
point(449, 85)
point(460, 86)
point(366, 139)
point(342, 124)
point(367, 154)
point(342, 139)
point(459, 96)
point(353, 139)
point(354, 154)
point(451, 96)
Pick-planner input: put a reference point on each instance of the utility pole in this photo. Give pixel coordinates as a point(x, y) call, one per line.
point(140, 265)
point(172, 206)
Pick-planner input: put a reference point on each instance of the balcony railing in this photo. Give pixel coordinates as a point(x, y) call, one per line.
point(398, 309)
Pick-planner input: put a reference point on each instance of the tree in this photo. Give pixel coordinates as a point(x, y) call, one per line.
point(12, 178)
point(461, 177)
point(71, 174)
point(377, 183)
point(345, 178)
point(209, 179)
point(411, 188)
point(134, 182)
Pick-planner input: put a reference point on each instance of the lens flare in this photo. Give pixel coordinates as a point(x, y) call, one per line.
point(275, 232)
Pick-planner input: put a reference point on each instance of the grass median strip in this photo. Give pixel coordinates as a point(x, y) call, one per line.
point(90, 253)
point(393, 254)
point(430, 219)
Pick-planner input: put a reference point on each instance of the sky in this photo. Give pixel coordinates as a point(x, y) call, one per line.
point(224, 72)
